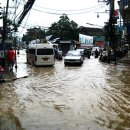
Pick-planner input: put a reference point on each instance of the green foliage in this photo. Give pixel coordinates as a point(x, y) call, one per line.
point(33, 33)
point(64, 28)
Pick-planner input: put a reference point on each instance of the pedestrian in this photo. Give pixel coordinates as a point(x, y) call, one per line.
point(11, 58)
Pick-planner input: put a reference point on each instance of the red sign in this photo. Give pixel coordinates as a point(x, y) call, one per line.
point(100, 43)
point(116, 14)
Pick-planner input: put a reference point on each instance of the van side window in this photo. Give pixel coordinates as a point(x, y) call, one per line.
point(45, 52)
point(31, 51)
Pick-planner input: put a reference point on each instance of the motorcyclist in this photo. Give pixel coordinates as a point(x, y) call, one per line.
point(96, 53)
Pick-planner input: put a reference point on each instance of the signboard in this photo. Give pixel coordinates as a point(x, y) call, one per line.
point(84, 39)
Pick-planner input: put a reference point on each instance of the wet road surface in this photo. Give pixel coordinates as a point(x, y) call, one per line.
point(94, 96)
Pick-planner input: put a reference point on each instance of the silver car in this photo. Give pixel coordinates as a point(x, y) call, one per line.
point(73, 57)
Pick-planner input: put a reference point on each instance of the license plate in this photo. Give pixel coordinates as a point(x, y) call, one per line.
point(45, 59)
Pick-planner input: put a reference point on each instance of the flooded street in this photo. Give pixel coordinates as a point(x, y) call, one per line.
point(94, 96)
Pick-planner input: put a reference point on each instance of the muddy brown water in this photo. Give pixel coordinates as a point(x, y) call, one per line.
point(94, 96)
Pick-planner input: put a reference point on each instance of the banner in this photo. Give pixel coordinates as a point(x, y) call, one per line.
point(84, 39)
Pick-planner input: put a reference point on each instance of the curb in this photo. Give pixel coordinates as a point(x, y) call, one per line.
point(9, 80)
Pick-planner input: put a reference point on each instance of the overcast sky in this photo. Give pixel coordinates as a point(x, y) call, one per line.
point(46, 12)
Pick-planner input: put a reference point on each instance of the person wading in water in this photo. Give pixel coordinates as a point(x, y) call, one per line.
point(11, 58)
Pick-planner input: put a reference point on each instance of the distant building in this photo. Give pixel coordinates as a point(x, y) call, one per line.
point(65, 46)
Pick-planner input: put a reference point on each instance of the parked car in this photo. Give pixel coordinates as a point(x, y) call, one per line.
point(73, 57)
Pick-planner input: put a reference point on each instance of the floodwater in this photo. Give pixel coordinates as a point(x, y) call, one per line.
point(94, 96)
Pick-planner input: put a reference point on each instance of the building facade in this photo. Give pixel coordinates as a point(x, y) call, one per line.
point(124, 8)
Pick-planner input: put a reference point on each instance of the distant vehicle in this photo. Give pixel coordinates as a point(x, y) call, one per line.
point(73, 57)
point(41, 54)
point(94, 49)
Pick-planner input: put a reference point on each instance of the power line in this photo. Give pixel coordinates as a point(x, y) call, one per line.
point(25, 22)
point(55, 11)
point(52, 9)
point(15, 16)
point(99, 7)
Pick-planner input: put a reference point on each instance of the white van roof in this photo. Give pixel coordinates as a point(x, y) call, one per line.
point(41, 45)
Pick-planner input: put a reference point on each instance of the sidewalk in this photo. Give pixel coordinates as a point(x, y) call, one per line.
point(126, 58)
point(7, 76)
point(21, 71)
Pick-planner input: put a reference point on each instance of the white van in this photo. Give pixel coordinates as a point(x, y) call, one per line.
point(41, 54)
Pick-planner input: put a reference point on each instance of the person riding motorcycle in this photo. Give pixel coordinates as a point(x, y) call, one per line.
point(96, 53)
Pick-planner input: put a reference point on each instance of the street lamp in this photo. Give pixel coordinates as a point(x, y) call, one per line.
point(106, 11)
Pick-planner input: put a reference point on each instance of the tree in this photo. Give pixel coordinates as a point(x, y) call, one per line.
point(33, 33)
point(64, 28)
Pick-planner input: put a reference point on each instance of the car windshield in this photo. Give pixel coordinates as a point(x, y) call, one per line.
point(45, 52)
point(73, 53)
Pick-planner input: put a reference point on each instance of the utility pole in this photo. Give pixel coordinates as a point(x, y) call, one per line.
point(111, 24)
point(5, 14)
point(4, 32)
point(112, 42)
point(15, 38)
